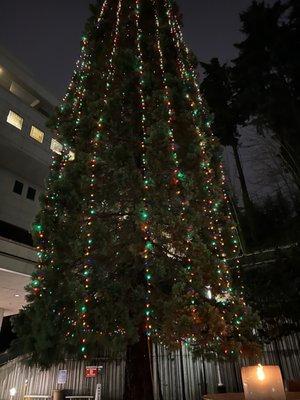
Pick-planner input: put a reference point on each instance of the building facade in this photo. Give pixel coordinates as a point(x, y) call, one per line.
point(26, 150)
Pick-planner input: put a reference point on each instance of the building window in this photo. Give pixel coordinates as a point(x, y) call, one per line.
point(37, 134)
point(15, 120)
point(56, 146)
point(31, 193)
point(18, 187)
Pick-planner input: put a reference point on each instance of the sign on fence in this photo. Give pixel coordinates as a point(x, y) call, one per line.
point(62, 376)
point(91, 372)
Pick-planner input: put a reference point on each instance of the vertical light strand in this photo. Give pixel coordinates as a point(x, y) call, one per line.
point(192, 77)
point(81, 65)
point(82, 70)
point(217, 244)
point(211, 207)
point(178, 174)
point(92, 210)
point(144, 215)
point(167, 99)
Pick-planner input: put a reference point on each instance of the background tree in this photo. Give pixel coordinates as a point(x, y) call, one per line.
point(272, 289)
point(265, 76)
point(135, 229)
point(219, 94)
point(261, 88)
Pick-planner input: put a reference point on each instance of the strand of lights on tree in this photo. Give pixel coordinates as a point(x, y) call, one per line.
point(81, 70)
point(81, 62)
point(184, 74)
point(218, 242)
point(213, 200)
point(92, 211)
point(191, 75)
point(179, 175)
point(195, 112)
point(211, 208)
point(144, 215)
point(194, 79)
point(82, 65)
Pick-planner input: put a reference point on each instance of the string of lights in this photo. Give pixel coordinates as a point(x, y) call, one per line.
point(178, 175)
point(90, 215)
point(211, 207)
point(144, 214)
point(180, 231)
point(59, 161)
point(193, 77)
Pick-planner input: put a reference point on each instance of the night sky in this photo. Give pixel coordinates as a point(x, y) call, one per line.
point(45, 35)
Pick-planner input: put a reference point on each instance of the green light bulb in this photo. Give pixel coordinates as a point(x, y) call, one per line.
point(144, 215)
point(149, 245)
point(181, 176)
point(38, 228)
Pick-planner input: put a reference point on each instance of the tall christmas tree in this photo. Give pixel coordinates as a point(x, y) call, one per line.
point(134, 234)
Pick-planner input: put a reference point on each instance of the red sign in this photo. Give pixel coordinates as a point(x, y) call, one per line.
point(91, 372)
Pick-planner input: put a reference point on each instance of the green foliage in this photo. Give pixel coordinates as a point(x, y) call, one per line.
point(219, 94)
point(261, 87)
point(266, 74)
point(272, 288)
point(136, 226)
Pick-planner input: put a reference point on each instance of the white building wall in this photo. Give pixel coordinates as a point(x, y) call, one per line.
point(26, 160)
point(17, 209)
point(22, 158)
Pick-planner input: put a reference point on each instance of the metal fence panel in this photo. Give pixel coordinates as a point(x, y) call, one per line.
point(176, 376)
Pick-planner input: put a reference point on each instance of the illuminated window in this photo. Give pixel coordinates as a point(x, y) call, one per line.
point(56, 146)
point(37, 134)
point(15, 120)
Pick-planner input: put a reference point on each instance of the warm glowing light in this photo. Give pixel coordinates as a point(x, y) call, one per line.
point(37, 134)
point(15, 120)
point(261, 376)
point(263, 383)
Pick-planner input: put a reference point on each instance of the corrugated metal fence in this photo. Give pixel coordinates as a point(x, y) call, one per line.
point(177, 376)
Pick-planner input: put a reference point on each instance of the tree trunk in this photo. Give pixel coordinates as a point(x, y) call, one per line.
point(138, 372)
point(246, 198)
point(249, 209)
